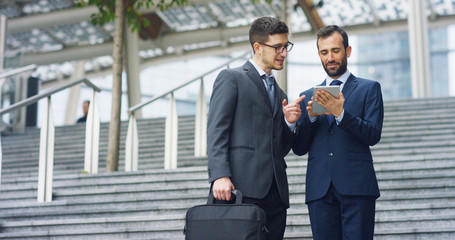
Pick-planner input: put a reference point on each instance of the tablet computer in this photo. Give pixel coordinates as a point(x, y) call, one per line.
point(333, 90)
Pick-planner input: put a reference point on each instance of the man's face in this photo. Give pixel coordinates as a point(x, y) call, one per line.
point(85, 107)
point(333, 55)
point(268, 56)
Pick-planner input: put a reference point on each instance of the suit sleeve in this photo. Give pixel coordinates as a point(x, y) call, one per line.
point(305, 132)
point(287, 136)
point(219, 123)
point(367, 130)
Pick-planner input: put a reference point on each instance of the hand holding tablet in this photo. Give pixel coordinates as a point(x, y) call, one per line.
point(333, 90)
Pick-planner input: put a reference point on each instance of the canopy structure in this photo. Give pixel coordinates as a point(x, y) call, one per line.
point(46, 32)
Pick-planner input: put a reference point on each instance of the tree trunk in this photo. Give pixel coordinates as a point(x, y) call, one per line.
point(114, 125)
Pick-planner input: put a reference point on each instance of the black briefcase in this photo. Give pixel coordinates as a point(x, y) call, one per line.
point(238, 221)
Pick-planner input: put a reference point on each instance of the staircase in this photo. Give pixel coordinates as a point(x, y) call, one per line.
point(415, 165)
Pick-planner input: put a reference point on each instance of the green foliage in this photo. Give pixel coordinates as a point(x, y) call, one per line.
point(259, 1)
point(134, 18)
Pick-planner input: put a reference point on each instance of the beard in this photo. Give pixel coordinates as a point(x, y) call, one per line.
point(271, 63)
point(337, 71)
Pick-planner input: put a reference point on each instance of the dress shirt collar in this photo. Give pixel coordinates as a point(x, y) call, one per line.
point(259, 69)
point(343, 78)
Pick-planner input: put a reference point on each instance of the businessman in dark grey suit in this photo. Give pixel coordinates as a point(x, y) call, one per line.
point(251, 127)
point(341, 185)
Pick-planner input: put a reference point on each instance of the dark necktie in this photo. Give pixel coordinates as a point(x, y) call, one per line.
point(270, 90)
point(330, 118)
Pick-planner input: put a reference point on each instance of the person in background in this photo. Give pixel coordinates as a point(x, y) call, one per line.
point(341, 184)
point(251, 127)
point(85, 106)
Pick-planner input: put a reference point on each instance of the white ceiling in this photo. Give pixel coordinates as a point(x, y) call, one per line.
point(56, 33)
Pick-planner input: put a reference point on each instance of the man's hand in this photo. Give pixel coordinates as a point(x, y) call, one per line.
point(332, 104)
point(292, 111)
point(222, 188)
point(310, 109)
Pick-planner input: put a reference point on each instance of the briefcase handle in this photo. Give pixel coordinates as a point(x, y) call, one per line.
point(237, 193)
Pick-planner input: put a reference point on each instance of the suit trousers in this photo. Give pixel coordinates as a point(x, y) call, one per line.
point(342, 217)
point(274, 209)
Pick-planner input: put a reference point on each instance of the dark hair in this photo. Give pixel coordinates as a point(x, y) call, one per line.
point(329, 30)
point(262, 27)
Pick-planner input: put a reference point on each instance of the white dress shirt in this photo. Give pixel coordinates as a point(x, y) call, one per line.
point(261, 73)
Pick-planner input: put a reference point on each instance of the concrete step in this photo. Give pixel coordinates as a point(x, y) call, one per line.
point(198, 180)
point(159, 198)
point(414, 163)
point(295, 165)
point(297, 223)
point(397, 165)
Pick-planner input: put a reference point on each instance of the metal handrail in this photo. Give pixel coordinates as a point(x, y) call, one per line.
point(132, 109)
point(47, 137)
point(51, 91)
point(13, 72)
point(171, 126)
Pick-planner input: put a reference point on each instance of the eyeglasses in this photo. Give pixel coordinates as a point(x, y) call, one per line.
point(279, 49)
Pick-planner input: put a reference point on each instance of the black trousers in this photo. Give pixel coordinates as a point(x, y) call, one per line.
point(274, 209)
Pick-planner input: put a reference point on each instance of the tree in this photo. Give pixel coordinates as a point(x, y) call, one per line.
point(121, 11)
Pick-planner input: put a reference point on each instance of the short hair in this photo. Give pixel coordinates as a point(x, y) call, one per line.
point(329, 30)
point(262, 27)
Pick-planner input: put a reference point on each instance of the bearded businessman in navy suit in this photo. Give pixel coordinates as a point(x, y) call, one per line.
point(341, 184)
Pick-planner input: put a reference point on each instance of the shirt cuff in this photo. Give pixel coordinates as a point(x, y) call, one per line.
point(290, 125)
point(312, 119)
point(338, 119)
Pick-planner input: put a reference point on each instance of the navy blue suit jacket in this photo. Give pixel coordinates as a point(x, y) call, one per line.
point(341, 153)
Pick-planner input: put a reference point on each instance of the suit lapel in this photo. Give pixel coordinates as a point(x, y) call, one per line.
point(349, 86)
point(254, 76)
point(278, 98)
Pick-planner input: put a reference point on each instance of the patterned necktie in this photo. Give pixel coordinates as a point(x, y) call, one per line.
point(270, 89)
point(330, 118)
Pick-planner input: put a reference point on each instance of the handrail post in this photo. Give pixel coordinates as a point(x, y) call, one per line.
point(19, 118)
point(47, 134)
point(171, 134)
point(200, 132)
point(1, 160)
point(132, 146)
point(2, 80)
point(92, 137)
point(46, 155)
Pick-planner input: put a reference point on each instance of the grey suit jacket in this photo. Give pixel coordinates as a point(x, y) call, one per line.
point(246, 140)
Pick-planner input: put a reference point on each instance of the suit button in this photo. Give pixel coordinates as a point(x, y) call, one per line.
point(330, 154)
point(330, 132)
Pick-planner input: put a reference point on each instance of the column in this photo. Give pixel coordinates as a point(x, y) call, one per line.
point(451, 36)
point(282, 76)
point(73, 99)
point(419, 49)
point(133, 70)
